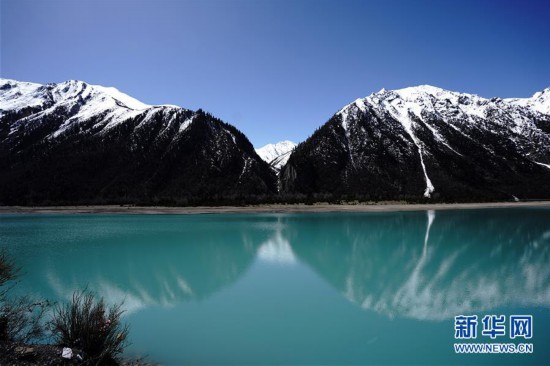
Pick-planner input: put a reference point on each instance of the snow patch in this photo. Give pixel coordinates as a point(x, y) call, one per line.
point(395, 108)
point(246, 166)
point(345, 126)
point(186, 124)
point(545, 165)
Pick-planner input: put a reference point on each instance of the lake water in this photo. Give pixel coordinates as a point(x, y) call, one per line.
point(332, 288)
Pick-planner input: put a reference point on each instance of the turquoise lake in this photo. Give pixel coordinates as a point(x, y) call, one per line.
point(327, 288)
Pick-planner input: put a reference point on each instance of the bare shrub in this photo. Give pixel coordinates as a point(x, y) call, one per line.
point(86, 323)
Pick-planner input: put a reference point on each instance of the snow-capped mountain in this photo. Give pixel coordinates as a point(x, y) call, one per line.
point(276, 155)
point(76, 142)
point(428, 142)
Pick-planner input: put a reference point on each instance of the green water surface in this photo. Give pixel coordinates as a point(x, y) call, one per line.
point(332, 288)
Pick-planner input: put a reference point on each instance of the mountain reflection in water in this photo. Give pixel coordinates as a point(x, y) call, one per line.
point(419, 265)
point(432, 266)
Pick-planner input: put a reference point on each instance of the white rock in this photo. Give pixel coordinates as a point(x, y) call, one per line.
point(67, 353)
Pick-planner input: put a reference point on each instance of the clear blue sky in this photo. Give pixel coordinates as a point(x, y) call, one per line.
point(278, 69)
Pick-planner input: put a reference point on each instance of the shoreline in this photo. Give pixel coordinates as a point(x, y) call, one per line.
point(267, 208)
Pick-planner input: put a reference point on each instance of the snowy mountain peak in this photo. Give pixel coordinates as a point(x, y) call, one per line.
point(544, 92)
point(110, 145)
point(15, 95)
point(125, 99)
point(540, 101)
point(426, 99)
point(84, 102)
point(380, 144)
point(276, 154)
point(417, 92)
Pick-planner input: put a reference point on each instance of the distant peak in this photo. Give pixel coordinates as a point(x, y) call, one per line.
point(276, 154)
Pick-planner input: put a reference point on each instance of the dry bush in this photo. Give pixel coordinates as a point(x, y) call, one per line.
point(86, 323)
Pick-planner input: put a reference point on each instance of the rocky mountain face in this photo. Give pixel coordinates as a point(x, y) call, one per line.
point(78, 143)
point(425, 142)
point(276, 155)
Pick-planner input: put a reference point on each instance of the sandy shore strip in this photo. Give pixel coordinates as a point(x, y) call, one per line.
point(271, 208)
